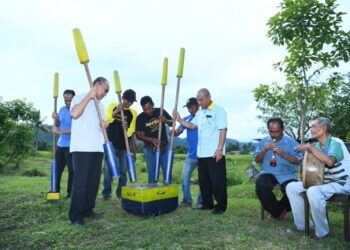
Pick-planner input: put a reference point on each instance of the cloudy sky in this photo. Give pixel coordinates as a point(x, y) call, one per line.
point(227, 51)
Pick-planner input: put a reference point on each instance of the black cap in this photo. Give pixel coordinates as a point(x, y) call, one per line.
point(190, 102)
point(129, 95)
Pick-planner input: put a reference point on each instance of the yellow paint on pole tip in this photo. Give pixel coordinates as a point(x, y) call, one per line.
point(180, 68)
point(165, 71)
point(118, 86)
point(55, 85)
point(80, 46)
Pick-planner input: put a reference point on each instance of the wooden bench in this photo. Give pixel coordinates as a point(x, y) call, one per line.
point(344, 199)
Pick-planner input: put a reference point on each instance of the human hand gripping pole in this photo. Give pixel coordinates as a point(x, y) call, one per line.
point(170, 156)
point(107, 146)
point(163, 83)
point(129, 156)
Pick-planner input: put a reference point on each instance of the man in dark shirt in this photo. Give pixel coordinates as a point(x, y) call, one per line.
point(147, 126)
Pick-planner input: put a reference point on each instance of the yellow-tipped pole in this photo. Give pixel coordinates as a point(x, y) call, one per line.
point(80, 46)
point(179, 75)
point(53, 196)
point(118, 91)
point(84, 59)
point(108, 146)
point(129, 159)
point(164, 82)
point(117, 85)
point(180, 68)
point(55, 85)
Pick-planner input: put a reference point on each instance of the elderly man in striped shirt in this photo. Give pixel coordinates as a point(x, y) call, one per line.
point(332, 152)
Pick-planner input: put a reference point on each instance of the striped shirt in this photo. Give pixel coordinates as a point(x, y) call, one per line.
point(337, 173)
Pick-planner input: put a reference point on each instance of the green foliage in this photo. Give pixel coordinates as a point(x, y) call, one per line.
point(338, 108)
point(18, 120)
point(232, 147)
point(180, 150)
point(311, 32)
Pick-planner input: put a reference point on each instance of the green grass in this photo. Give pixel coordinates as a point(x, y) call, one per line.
point(28, 221)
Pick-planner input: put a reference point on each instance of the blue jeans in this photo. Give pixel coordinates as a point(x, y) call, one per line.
point(189, 166)
point(151, 163)
point(123, 169)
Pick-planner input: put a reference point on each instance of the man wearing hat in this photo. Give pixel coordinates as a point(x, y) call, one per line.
point(191, 161)
point(115, 134)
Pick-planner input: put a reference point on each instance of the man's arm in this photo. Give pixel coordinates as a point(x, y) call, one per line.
point(222, 138)
point(56, 131)
point(133, 146)
point(150, 140)
point(328, 160)
point(79, 108)
point(184, 123)
point(177, 131)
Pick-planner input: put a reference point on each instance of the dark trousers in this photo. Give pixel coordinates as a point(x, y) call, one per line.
point(212, 182)
point(64, 158)
point(264, 190)
point(86, 180)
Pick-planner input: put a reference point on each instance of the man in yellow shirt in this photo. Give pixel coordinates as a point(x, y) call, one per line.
point(115, 135)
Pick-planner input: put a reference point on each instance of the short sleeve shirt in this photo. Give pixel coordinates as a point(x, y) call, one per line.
point(149, 125)
point(209, 123)
point(86, 132)
point(65, 120)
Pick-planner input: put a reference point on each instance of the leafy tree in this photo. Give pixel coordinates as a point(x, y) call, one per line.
point(232, 147)
point(311, 32)
point(338, 108)
point(180, 149)
point(17, 123)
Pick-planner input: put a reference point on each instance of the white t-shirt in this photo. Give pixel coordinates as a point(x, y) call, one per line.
point(86, 133)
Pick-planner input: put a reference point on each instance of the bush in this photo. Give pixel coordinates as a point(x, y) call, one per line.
point(33, 172)
point(233, 179)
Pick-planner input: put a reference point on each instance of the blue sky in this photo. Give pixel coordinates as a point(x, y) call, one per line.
point(227, 51)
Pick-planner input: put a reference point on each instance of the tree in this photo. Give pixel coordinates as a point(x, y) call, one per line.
point(311, 32)
point(338, 108)
point(233, 147)
point(17, 123)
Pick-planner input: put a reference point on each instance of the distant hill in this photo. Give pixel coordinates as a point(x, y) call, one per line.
point(47, 138)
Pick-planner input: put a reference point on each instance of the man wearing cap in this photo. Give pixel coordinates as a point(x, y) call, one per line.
point(191, 160)
point(115, 134)
point(147, 127)
point(211, 122)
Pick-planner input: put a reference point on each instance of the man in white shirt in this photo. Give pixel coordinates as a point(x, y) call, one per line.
point(87, 151)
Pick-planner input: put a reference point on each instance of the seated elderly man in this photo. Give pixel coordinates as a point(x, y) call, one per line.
point(332, 152)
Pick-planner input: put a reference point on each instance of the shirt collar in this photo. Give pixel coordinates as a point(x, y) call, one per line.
point(326, 145)
point(211, 106)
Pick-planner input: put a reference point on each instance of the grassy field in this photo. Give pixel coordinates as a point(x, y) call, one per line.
point(28, 221)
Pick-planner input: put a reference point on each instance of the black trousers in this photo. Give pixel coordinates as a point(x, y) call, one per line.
point(86, 180)
point(64, 158)
point(212, 182)
point(264, 190)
